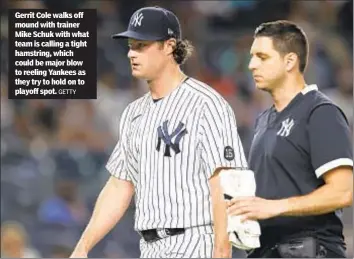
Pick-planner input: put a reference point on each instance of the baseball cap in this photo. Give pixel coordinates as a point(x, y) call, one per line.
point(152, 23)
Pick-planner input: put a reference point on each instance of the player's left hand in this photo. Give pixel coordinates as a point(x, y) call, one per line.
point(254, 208)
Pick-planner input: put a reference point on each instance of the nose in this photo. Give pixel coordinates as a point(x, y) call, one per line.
point(131, 54)
point(252, 64)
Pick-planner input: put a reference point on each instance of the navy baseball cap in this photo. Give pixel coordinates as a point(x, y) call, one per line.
point(152, 23)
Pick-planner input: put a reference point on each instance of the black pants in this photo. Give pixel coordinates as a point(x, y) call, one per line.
point(271, 252)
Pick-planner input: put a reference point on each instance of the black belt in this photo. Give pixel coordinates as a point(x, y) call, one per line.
point(151, 235)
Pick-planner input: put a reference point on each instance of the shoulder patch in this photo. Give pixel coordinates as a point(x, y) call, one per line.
point(229, 153)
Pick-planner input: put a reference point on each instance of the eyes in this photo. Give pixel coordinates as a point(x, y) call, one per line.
point(260, 56)
point(137, 45)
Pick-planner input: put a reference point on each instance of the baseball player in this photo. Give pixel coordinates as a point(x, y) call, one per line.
point(301, 154)
point(173, 142)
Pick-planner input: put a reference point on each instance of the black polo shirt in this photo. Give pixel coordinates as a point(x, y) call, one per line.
point(290, 152)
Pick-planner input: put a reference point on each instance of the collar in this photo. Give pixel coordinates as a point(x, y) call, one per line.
point(309, 88)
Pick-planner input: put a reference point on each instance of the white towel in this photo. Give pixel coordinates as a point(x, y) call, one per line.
point(240, 183)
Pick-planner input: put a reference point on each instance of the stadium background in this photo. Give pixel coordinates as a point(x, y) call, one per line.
point(53, 152)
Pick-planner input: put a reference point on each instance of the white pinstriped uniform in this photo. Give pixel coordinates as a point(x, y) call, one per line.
point(169, 149)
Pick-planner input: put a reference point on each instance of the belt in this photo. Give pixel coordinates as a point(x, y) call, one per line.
point(151, 235)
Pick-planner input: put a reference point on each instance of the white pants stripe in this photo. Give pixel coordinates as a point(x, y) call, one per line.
point(196, 242)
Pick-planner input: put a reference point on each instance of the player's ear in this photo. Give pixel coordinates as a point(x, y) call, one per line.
point(291, 60)
point(170, 46)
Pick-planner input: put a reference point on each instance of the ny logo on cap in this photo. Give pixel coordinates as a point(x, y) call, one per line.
point(163, 135)
point(136, 21)
point(286, 127)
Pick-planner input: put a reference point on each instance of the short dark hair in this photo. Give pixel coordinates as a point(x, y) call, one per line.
point(287, 37)
point(183, 51)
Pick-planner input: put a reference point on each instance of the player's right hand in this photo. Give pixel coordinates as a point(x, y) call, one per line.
point(222, 250)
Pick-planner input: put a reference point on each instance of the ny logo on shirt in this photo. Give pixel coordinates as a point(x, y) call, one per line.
point(136, 21)
point(286, 127)
point(163, 134)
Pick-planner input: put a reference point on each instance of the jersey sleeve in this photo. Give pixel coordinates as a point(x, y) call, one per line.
point(221, 145)
point(117, 165)
point(330, 140)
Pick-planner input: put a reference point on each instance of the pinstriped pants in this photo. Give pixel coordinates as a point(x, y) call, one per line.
point(196, 242)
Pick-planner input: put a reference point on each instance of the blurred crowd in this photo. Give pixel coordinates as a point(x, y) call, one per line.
point(53, 152)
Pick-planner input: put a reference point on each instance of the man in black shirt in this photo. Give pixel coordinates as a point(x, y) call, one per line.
point(301, 154)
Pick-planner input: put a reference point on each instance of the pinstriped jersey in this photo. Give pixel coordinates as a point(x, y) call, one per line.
point(170, 148)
